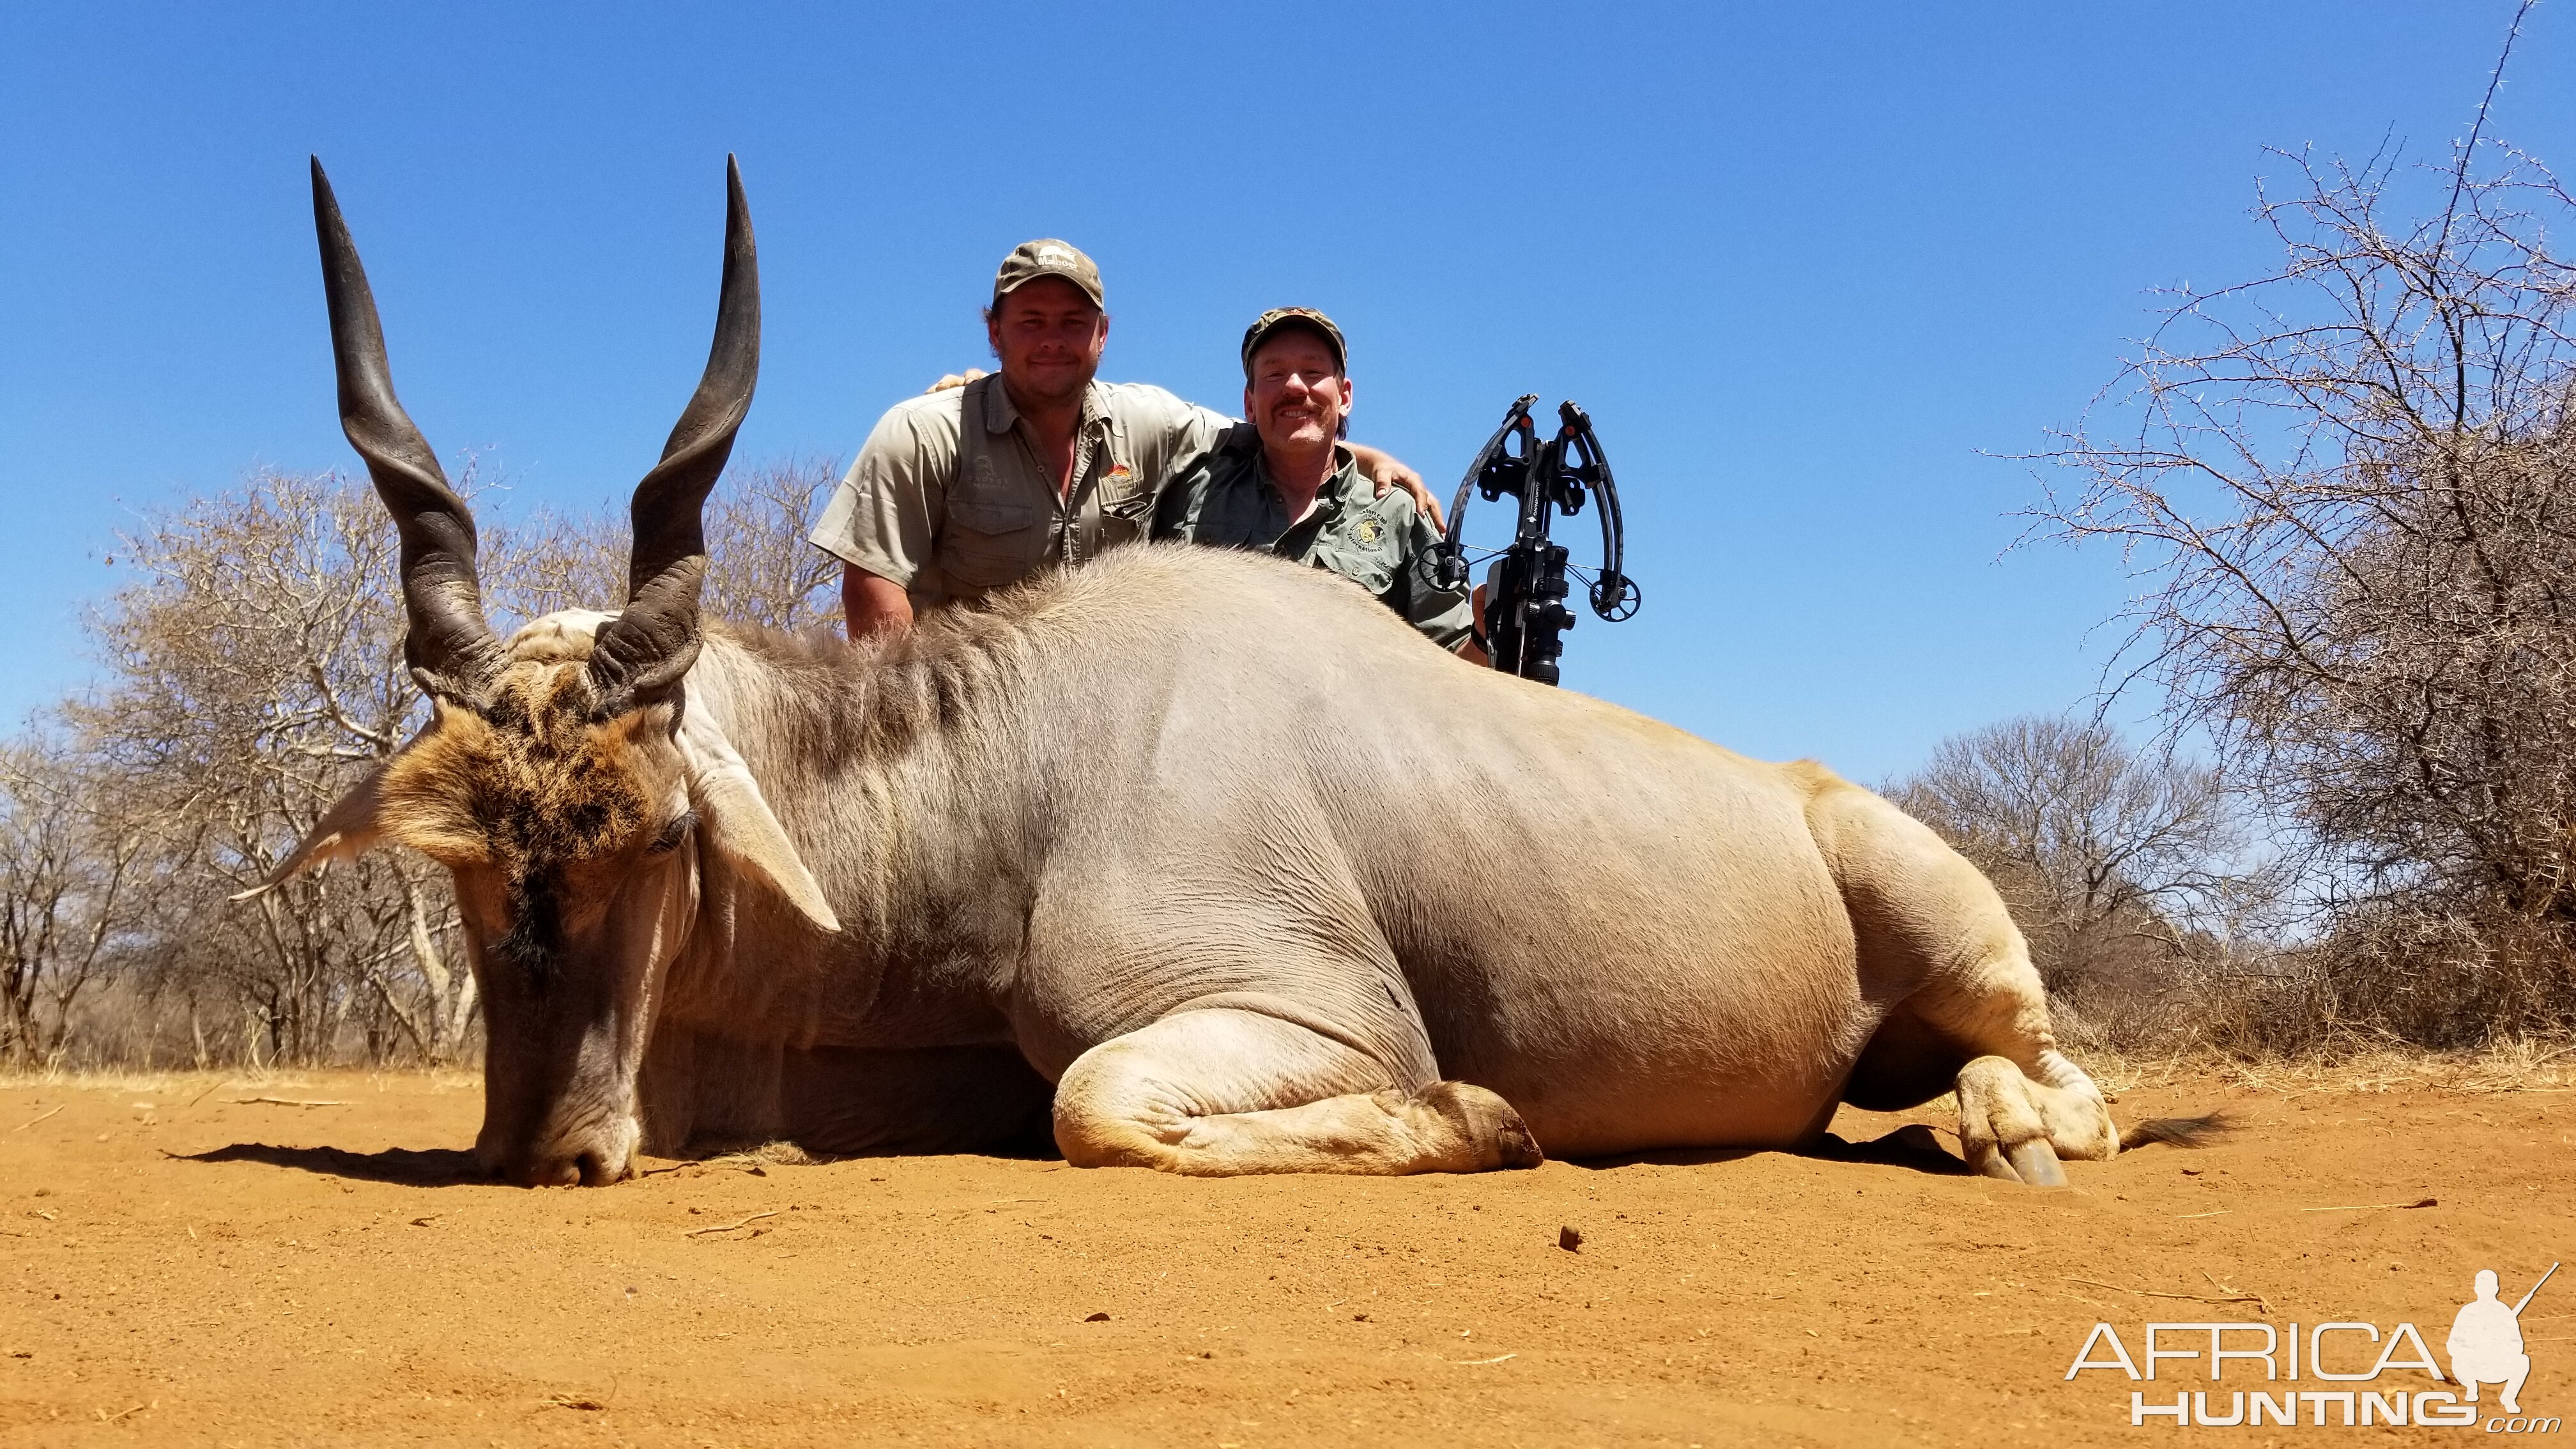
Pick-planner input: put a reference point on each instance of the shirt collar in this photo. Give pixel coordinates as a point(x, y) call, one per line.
point(1001, 415)
point(1338, 485)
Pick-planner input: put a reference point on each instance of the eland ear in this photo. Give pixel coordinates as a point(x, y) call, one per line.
point(737, 817)
point(348, 829)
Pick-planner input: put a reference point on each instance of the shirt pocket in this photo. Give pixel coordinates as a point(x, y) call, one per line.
point(1366, 568)
point(1126, 505)
point(989, 542)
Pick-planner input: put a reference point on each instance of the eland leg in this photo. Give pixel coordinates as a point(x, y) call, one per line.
point(1933, 933)
point(1220, 1092)
point(2022, 1104)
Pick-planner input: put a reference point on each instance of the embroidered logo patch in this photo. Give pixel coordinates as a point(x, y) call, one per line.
point(1369, 531)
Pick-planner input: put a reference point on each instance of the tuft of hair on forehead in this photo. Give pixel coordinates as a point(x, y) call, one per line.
point(566, 634)
point(530, 781)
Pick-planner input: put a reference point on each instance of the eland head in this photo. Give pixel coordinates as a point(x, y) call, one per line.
point(562, 779)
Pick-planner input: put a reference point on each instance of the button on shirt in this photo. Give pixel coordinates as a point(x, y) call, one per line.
point(1226, 497)
point(949, 500)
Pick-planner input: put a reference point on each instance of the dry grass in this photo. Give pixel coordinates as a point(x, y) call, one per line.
point(186, 1085)
point(2517, 1065)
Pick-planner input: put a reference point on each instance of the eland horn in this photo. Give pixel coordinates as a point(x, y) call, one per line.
point(450, 647)
point(646, 649)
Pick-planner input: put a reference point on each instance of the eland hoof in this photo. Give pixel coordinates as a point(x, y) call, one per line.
point(2035, 1162)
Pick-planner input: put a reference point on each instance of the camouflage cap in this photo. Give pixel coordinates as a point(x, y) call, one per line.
point(1305, 317)
point(1047, 257)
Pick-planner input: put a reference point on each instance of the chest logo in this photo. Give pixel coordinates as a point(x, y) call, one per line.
point(1369, 532)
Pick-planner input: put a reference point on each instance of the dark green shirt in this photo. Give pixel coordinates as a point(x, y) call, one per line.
point(1225, 497)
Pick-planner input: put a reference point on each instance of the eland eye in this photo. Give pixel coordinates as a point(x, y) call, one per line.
point(675, 832)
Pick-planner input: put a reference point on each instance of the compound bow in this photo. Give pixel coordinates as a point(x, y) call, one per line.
point(1525, 611)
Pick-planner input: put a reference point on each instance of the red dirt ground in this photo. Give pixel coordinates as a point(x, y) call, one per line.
point(223, 1271)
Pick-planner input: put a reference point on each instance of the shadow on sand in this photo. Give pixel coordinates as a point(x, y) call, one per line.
point(1911, 1147)
point(404, 1166)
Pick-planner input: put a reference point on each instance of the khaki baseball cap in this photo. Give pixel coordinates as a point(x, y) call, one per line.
point(1047, 257)
point(1305, 317)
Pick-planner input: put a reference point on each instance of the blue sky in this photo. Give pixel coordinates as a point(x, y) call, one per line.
point(1801, 263)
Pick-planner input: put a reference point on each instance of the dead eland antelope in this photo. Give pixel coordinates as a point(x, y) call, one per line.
point(1191, 849)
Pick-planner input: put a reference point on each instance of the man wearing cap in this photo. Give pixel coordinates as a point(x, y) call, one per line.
point(965, 490)
point(1284, 483)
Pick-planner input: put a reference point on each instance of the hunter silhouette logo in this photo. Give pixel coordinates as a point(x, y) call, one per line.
point(2486, 1342)
point(2485, 1347)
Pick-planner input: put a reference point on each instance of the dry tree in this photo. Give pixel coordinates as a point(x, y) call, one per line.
point(2347, 489)
point(2125, 869)
point(253, 670)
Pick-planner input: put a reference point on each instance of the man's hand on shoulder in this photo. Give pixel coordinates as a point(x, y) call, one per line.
point(1387, 471)
point(954, 380)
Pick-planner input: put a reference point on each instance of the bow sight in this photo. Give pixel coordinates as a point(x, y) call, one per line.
point(1524, 610)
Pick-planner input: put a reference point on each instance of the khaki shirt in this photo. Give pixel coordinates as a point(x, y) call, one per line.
point(1225, 497)
point(948, 499)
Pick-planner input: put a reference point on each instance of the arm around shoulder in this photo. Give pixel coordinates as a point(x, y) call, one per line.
point(1388, 471)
